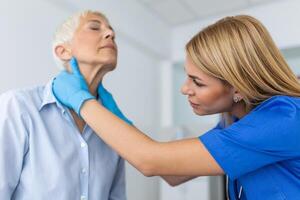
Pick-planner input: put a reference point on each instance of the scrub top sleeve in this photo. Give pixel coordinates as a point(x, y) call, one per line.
point(266, 135)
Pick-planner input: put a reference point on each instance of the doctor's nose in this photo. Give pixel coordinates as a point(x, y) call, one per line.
point(186, 90)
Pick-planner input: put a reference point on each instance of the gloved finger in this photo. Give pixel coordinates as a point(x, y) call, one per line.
point(74, 67)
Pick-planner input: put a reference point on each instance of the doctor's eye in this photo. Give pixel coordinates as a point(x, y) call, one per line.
point(197, 84)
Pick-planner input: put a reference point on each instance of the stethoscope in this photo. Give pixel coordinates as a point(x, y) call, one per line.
point(227, 190)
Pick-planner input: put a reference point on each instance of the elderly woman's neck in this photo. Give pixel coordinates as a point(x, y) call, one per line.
point(93, 75)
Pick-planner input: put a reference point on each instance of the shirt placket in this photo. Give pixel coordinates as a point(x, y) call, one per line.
point(84, 172)
point(84, 158)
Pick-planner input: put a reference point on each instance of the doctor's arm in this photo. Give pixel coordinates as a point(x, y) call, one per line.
point(178, 158)
point(187, 157)
point(177, 180)
point(109, 102)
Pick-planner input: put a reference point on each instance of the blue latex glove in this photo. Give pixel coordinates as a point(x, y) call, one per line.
point(109, 103)
point(71, 89)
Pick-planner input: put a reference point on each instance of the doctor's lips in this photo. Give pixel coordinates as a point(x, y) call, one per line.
point(193, 104)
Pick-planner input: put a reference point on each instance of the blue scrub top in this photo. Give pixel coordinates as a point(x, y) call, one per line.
point(261, 151)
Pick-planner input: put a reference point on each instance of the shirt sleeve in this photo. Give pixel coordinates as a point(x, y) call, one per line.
point(13, 145)
point(118, 190)
point(266, 135)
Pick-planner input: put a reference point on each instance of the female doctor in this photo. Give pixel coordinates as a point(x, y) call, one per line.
point(233, 67)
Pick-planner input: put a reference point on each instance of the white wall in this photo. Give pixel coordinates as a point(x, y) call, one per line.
point(25, 38)
point(280, 17)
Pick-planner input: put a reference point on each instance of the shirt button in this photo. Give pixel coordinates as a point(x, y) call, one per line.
point(82, 144)
point(83, 170)
point(82, 198)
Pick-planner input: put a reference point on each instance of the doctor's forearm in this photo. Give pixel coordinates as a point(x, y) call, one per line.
point(134, 146)
point(177, 180)
point(187, 157)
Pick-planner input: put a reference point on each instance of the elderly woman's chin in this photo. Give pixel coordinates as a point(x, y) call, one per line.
point(107, 65)
point(109, 62)
point(109, 59)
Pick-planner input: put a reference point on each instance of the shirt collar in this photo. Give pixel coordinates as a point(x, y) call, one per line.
point(49, 98)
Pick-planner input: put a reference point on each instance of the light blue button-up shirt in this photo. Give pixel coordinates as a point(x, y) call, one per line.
point(43, 156)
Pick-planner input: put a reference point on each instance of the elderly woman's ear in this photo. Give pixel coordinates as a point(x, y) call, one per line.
point(63, 52)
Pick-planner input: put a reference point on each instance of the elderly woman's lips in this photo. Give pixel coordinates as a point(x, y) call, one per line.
point(108, 46)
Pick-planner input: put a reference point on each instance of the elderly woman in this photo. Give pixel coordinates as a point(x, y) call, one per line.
point(46, 151)
point(232, 67)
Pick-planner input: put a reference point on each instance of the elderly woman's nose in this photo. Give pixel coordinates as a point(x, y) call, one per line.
point(109, 33)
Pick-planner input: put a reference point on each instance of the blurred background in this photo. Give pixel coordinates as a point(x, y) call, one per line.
point(151, 35)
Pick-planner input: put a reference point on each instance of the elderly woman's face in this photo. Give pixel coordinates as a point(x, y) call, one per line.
point(93, 42)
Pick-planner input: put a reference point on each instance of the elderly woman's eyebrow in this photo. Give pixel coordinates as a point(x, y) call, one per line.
point(94, 20)
point(99, 22)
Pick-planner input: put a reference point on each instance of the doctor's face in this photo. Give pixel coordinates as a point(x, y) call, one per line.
point(93, 42)
point(206, 94)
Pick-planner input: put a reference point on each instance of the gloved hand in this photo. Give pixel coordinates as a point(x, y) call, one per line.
point(109, 103)
point(71, 89)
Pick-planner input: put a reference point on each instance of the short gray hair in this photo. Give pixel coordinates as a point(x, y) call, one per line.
point(65, 32)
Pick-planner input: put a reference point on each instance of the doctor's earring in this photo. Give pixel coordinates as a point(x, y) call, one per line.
point(236, 99)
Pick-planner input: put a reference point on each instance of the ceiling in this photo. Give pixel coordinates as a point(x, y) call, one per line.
point(176, 12)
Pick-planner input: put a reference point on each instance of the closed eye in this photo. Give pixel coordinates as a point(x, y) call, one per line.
point(94, 25)
point(95, 28)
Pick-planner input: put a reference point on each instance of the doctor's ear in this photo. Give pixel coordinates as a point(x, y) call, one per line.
point(237, 97)
point(63, 52)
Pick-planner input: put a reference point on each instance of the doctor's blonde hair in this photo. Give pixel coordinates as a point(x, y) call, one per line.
point(239, 51)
